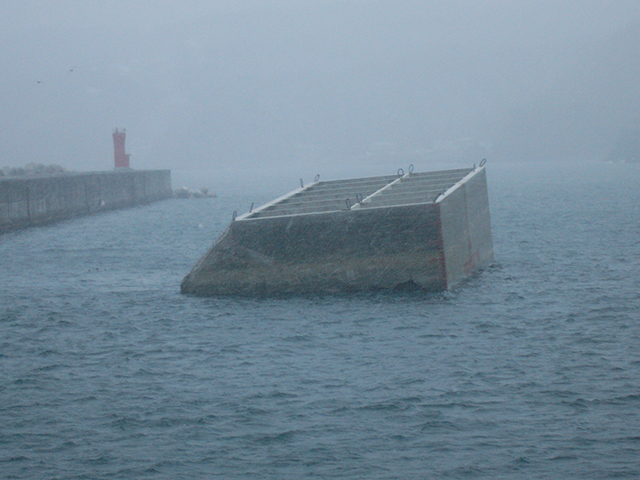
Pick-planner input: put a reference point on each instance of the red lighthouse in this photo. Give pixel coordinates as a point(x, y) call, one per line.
point(120, 158)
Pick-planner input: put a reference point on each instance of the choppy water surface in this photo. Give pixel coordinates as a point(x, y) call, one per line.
point(530, 370)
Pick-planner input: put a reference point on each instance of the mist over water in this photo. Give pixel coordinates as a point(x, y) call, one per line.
point(529, 370)
point(282, 83)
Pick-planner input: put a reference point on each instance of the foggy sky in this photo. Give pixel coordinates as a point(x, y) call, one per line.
point(270, 83)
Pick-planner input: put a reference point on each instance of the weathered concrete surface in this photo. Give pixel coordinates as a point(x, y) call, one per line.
point(390, 240)
point(466, 228)
point(330, 252)
point(27, 201)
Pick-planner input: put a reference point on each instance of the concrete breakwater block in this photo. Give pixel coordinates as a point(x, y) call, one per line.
point(408, 231)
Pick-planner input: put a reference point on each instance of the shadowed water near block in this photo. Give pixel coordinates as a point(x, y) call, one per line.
point(416, 231)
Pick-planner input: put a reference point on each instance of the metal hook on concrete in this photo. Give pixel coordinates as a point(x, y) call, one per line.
point(483, 162)
point(410, 169)
point(400, 172)
point(317, 178)
point(359, 198)
point(348, 202)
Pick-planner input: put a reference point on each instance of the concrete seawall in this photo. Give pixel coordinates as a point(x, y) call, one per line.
point(27, 201)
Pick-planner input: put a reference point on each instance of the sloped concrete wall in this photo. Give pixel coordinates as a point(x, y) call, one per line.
point(357, 250)
point(466, 228)
point(38, 200)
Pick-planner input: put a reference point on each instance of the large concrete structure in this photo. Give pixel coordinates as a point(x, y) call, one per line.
point(26, 201)
point(420, 230)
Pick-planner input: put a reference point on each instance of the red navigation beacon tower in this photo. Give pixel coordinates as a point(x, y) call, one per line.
point(120, 158)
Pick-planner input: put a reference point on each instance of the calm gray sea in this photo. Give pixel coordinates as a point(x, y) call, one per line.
point(529, 370)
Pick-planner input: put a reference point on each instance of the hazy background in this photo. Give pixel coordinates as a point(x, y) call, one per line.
point(313, 85)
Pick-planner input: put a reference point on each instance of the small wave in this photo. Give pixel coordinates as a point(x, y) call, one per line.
point(87, 399)
point(298, 338)
point(438, 426)
point(46, 353)
point(170, 422)
point(282, 437)
point(25, 381)
point(230, 349)
point(143, 372)
point(466, 471)
point(272, 395)
point(382, 406)
point(100, 460)
point(559, 458)
point(624, 400)
point(581, 402)
point(125, 423)
point(19, 458)
point(48, 368)
point(630, 439)
point(559, 393)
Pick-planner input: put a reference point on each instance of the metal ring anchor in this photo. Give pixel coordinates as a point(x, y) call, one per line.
point(234, 216)
point(359, 198)
point(251, 208)
point(483, 162)
point(410, 169)
point(400, 172)
point(316, 178)
point(301, 184)
point(348, 202)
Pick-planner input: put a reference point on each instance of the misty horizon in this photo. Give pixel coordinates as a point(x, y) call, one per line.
point(286, 84)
